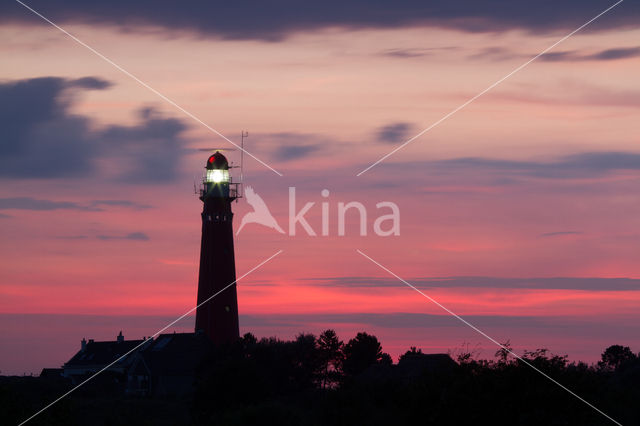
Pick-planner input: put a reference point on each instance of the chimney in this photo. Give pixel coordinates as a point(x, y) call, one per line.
point(83, 344)
point(120, 337)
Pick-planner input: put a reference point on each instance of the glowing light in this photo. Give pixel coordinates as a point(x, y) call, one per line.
point(217, 176)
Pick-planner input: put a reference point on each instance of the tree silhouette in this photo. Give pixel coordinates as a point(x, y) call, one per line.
point(330, 358)
point(465, 354)
point(503, 353)
point(413, 352)
point(305, 360)
point(615, 356)
point(361, 352)
point(386, 359)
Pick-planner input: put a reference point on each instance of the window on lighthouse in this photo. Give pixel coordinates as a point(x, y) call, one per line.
point(217, 176)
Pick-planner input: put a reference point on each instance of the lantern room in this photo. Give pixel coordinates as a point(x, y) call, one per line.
point(217, 169)
point(217, 181)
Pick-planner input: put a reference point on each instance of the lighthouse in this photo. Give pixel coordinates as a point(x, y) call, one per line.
point(218, 317)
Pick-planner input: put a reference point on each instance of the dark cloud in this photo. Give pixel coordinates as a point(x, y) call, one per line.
point(149, 152)
point(560, 56)
point(414, 52)
point(582, 165)
point(631, 52)
point(43, 139)
point(40, 139)
point(560, 233)
point(389, 320)
point(499, 54)
point(600, 161)
point(402, 320)
point(28, 203)
point(557, 283)
point(586, 174)
point(504, 54)
point(603, 55)
point(89, 83)
point(288, 146)
point(496, 53)
point(575, 93)
point(120, 203)
point(135, 236)
point(394, 133)
point(294, 152)
point(405, 53)
point(139, 236)
point(275, 20)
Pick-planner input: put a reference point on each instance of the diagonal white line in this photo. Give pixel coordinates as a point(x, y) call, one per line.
point(154, 335)
point(489, 88)
point(163, 97)
point(491, 339)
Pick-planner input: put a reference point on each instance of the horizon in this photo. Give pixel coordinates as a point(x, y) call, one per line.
point(38, 352)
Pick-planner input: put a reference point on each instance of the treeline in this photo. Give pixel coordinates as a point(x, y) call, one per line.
point(275, 366)
point(322, 380)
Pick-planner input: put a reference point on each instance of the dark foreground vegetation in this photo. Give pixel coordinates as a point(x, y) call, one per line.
point(322, 381)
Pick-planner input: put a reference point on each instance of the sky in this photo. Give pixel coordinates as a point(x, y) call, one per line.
point(520, 212)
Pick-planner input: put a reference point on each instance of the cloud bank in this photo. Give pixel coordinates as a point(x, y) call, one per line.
point(276, 20)
point(42, 138)
point(554, 283)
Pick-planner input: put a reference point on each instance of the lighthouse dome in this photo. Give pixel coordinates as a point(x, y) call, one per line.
point(217, 161)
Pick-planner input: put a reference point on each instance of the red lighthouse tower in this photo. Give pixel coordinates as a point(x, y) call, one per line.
point(217, 318)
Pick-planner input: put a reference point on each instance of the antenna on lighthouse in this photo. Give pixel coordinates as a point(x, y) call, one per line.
point(245, 134)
